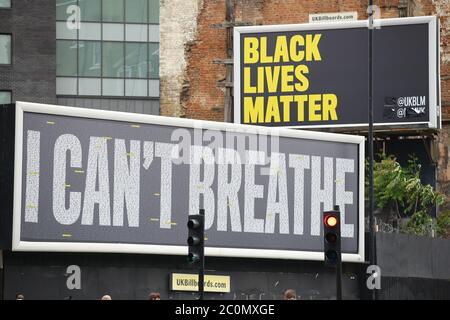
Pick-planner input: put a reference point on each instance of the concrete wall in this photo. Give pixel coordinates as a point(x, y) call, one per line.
point(31, 76)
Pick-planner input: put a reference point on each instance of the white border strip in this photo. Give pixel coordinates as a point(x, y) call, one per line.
point(19, 245)
point(432, 66)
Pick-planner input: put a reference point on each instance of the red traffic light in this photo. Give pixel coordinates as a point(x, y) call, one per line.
point(330, 221)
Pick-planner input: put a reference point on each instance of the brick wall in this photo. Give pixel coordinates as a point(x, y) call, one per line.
point(201, 98)
point(178, 27)
point(443, 165)
point(195, 94)
point(442, 9)
point(192, 91)
point(31, 76)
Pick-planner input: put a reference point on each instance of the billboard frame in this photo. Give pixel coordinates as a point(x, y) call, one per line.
point(133, 118)
point(433, 65)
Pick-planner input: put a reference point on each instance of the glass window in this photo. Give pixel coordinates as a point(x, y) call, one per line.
point(153, 68)
point(114, 53)
point(113, 59)
point(90, 10)
point(5, 49)
point(5, 97)
point(113, 10)
point(113, 32)
point(66, 86)
point(62, 32)
point(66, 58)
point(136, 11)
point(89, 58)
point(153, 11)
point(135, 88)
point(136, 32)
point(90, 31)
point(153, 33)
point(61, 9)
point(153, 88)
point(89, 86)
point(5, 3)
point(136, 60)
point(113, 87)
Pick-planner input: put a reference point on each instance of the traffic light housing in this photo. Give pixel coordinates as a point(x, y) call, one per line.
point(332, 237)
point(196, 230)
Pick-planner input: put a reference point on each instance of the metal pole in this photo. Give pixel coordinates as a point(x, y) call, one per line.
point(370, 142)
point(339, 264)
point(201, 275)
point(339, 281)
point(229, 78)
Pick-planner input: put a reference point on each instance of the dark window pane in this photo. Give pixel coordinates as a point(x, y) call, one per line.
point(61, 9)
point(5, 49)
point(5, 97)
point(136, 60)
point(66, 58)
point(153, 60)
point(89, 57)
point(5, 3)
point(90, 10)
point(113, 59)
point(154, 11)
point(113, 10)
point(136, 11)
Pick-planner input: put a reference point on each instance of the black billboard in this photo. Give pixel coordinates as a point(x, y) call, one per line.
point(101, 181)
point(316, 75)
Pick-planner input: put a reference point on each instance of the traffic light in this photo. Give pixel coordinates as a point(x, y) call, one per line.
point(332, 237)
point(196, 227)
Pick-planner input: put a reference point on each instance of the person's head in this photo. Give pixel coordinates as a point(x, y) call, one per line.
point(20, 297)
point(154, 296)
point(290, 294)
point(106, 297)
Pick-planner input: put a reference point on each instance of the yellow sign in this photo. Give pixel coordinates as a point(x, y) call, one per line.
point(189, 282)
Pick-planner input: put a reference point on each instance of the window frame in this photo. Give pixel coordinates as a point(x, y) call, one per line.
point(148, 43)
point(124, 22)
point(10, 92)
point(10, 51)
point(7, 8)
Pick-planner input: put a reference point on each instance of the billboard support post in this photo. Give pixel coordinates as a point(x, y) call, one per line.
point(370, 138)
point(201, 274)
point(339, 264)
point(339, 280)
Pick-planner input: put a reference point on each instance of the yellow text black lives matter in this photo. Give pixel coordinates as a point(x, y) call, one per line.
point(276, 83)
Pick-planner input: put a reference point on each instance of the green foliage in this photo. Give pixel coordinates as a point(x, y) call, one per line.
point(420, 224)
point(399, 191)
point(443, 224)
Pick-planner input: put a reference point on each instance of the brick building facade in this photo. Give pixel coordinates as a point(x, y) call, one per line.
point(31, 75)
point(191, 41)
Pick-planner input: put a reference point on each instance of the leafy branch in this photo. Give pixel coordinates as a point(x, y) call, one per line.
point(399, 191)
